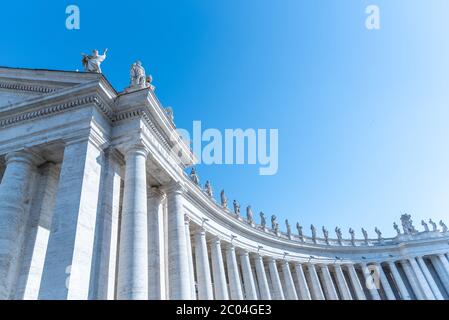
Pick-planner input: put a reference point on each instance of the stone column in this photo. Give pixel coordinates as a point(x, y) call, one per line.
point(425, 287)
point(69, 256)
point(384, 281)
point(190, 258)
point(262, 278)
point(288, 279)
point(317, 292)
point(341, 283)
point(205, 291)
point(235, 286)
point(14, 192)
point(303, 287)
point(355, 281)
point(178, 262)
point(441, 269)
point(220, 285)
point(412, 280)
point(132, 278)
point(278, 293)
point(427, 276)
point(399, 282)
point(329, 288)
point(371, 282)
point(155, 242)
point(248, 279)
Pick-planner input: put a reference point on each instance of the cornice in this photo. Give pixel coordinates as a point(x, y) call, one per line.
point(16, 86)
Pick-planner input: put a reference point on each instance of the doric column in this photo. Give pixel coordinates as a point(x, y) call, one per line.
point(303, 287)
point(441, 269)
point(370, 282)
point(132, 281)
point(155, 241)
point(341, 283)
point(235, 286)
point(220, 285)
point(70, 251)
point(202, 266)
point(329, 288)
point(384, 281)
point(288, 280)
point(317, 292)
point(412, 279)
point(262, 278)
point(278, 293)
point(425, 270)
point(190, 258)
point(398, 280)
point(14, 192)
point(248, 279)
point(355, 281)
point(178, 261)
point(425, 287)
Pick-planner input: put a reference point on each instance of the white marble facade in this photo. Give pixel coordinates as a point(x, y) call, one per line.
point(93, 205)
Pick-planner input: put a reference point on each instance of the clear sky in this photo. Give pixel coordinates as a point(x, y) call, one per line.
point(363, 116)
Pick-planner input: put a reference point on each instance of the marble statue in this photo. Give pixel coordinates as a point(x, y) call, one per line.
point(273, 221)
point(263, 220)
point(339, 234)
point(407, 224)
point(365, 235)
point(236, 208)
point(208, 189)
point(396, 227)
point(194, 177)
point(313, 229)
point(424, 224)
point(379, 233)
point(352, 233)
point(149, 82)
point(170, 114)
point(138, 77)
point(224, 200)
point(92, 62)
point(276, 227)
point(433, 224)
point(289, 228)
point(326, 235)
point(300, 232)
point(249, 214)
point(443, 226)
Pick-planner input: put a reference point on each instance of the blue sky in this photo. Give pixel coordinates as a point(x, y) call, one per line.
point(362, 115)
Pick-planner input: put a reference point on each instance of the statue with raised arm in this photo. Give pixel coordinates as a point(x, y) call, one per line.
point(138, 76)
point(313, 229)
point(289, 228)
point(236, 208)
point(224, 200)
point(326, 235)
point(249, 215)
point(352, 233)
point(443, 226)
point(300, 232)
point(339, 234)
point(263, 220)
point(92, 62)
point(365, 235)
point(273, 222)
point(194, 177)
point(433, 224)
point(424, 224)
point(396, 227)
point(407, 224)
point(208, 189)
point(379, 234)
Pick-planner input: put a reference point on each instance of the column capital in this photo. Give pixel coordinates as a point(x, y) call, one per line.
point(243, 252)
point(136, 147)
point(175, 187)
point(26, 156)
point(156, 193)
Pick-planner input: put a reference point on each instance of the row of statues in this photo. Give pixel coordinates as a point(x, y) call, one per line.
point(406, 221)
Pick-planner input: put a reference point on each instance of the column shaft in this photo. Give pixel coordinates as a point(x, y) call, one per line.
point(289, 283)
point(329, 288)
point(278, 293)
point(405, 295)
point(220, 285)
point(341, 283)
point(205, 291)
point(355, 281)
point(372, 282)
point(317, 292)
point(190, 259)
point(262, 278)
point(248, 279)
point(425, 287)
point(303, 287)
point(412, 280)
point(384, 281)
point(235, 286)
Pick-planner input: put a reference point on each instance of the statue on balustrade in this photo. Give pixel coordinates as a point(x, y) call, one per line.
point(352, 233)
point(313, 229)
point(224, 200)
point(407, 224)
point(208, 189)
point(194, 177)
point(443, 226)
point(170, 114)
point(249, 215)
point(433, 224)
point(92, 62)
point(276, 227)
point(149, 82)
point(326, 235)
point(236, 208)
point(263, 220)
point(424, 224)
point(289, 228)
point(300, 232)
point(339, 234)
point(396, 227)
point(379, 234)
point(138, 77)
point(365, 235)
point(273, 222)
